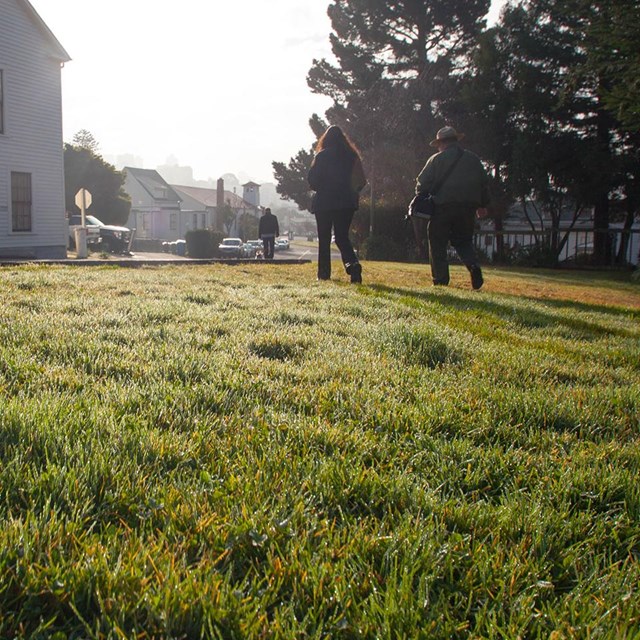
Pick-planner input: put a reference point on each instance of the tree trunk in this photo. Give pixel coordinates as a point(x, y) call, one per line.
point(601, 241)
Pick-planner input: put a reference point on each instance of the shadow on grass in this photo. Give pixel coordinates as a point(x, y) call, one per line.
point(527, 318)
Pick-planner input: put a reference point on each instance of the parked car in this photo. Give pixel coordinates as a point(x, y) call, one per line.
point(254, 248)
point(93, 233)
point(231, 248)
point(282, 243)
point(106, 237)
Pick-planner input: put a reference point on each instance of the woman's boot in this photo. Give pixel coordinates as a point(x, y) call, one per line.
point(355, 271)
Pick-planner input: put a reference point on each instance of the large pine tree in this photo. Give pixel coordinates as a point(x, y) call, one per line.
point(393, 60)
point(566, 145)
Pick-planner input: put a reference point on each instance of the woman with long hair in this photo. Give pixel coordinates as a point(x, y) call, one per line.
point(337, 177)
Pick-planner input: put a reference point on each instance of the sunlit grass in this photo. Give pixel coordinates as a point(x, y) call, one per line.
point(243, 451)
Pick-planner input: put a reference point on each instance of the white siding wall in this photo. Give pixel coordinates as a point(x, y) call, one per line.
point(32, 139)
point(141, 202)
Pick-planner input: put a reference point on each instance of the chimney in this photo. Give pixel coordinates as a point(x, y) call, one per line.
point(220, 193)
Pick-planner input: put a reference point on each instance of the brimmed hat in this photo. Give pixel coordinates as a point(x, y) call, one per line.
point(446, 134)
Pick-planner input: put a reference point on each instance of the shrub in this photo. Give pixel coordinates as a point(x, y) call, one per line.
point(203, 243)
point(393, 238)
point(380, 247)
point(535, 255)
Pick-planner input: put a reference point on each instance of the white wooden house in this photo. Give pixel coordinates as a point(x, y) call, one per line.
point(32, 210)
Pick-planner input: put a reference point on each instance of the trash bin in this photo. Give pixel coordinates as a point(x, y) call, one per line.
point(181, 247)
point(80, 234)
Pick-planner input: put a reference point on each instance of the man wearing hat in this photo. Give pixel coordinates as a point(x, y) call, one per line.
point(460, 191)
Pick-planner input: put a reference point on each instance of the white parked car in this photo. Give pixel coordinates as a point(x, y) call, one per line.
point(108, 237)
point(253, 248)
point(282, 243)
point(93, 232)
point(231, 248)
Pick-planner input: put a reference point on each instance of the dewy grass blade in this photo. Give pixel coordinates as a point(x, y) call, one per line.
point(235, 452)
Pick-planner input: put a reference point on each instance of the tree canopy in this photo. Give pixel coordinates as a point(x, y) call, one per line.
point(613, 53)
point(549, 97)
point(84, 139)
point(85, 169)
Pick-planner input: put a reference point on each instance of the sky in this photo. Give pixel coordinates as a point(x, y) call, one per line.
point(218, 85)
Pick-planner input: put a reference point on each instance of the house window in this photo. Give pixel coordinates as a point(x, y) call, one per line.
point(203, 218)
point(1, 102)
point(20, 201)
point(145, 222)
point(195, 220)
point(173, 222)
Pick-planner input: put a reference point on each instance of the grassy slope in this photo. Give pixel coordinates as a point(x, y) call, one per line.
point(229, 451)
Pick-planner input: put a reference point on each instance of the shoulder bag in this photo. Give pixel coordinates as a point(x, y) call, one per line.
point(423, 205)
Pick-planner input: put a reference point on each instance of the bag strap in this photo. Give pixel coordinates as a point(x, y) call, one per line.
point(445, 177)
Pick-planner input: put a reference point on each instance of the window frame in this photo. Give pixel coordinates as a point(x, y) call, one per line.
point(18, 215)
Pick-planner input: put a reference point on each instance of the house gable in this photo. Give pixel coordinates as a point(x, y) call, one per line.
point(56, 48)
point(208, 198)
point(156, 188)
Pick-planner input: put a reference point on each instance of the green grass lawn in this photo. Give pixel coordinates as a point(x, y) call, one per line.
point(244, 452)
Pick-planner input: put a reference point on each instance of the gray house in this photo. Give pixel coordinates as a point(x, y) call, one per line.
point(155, 206)
point(32, 209)
point(200, 207)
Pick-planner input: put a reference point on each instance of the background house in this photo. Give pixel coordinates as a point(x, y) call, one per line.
point(206, 208)
point(198, 206)
point(155, 206)
point(32, 210)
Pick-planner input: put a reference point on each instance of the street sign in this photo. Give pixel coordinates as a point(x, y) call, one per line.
point(83, 199)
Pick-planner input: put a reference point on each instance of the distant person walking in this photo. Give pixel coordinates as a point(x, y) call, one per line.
point(463, 194)
point(337, 177)
point(268, 230)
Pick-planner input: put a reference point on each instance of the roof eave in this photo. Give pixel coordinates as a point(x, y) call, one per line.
point(59, 50)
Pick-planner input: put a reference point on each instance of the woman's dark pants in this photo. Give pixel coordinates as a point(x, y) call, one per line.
point(339, 221)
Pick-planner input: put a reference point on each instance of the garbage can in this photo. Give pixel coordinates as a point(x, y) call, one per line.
point(81, 242)
point(181, 247)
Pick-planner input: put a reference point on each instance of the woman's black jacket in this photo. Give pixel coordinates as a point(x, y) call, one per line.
point(337, 178)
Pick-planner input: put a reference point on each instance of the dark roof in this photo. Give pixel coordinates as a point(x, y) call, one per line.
point(250, 184)
point(209, 197)
point(59, 51)
point(151, 180)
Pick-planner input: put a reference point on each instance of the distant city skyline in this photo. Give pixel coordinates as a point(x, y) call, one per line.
point(219, 87)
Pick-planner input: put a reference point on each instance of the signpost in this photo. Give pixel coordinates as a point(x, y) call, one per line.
point(83, 201)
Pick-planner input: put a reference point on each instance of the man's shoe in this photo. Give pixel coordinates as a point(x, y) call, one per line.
point(476, 277)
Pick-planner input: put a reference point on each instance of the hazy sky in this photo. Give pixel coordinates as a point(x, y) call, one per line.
point(220, 85)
